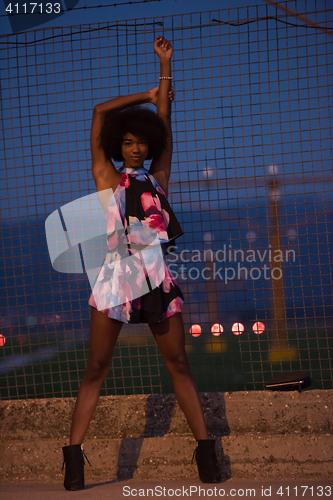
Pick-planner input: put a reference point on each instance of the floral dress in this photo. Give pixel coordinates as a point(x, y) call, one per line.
point(134, 284)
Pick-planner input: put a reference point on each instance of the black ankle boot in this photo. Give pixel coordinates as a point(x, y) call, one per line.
point(74, 475)
point(205, 456)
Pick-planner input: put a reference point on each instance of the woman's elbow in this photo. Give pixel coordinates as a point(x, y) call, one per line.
point(97, 109)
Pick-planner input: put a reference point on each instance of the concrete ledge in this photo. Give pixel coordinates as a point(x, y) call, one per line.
point(264, 435)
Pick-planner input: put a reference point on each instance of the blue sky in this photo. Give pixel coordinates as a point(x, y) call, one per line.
point(123, 10)
point(269, 91)
point(149, 9)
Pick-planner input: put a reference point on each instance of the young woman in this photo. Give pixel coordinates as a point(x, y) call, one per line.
point(137, 212)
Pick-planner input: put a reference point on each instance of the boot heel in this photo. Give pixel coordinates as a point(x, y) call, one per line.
point(74, 473)
point(206, 459)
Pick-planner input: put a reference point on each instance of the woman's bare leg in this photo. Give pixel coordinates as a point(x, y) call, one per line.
point(170, 337)
point(104, 332)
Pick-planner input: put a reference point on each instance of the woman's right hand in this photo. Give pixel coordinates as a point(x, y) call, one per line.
point(153, 95)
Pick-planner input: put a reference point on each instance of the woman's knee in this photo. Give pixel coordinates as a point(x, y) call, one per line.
point(97, 370)
point(178, 365)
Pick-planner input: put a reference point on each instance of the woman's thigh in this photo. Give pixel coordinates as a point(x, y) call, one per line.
point(104, 333)
point(170, 337)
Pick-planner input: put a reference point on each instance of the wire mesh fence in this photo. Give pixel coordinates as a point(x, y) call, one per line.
point(251, 186)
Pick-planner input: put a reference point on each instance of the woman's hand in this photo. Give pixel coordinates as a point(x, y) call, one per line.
point(163, 48)
point(153, 95)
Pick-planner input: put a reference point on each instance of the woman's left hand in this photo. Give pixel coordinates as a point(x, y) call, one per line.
point(153, 95)
point(163, 48)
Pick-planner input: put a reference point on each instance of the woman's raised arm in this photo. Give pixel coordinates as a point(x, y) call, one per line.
point(104, 173)
point(161, 167)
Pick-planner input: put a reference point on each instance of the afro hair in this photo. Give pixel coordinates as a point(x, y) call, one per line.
point(141, 122)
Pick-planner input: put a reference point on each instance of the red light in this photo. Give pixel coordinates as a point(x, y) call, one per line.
point(237, 328)
point(195, 330)
point(2, 340)
point(258, 327)
point(216, 329)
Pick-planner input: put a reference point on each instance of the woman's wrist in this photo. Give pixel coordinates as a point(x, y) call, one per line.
point(139, 98)
point(146, 97)
point(164, 57)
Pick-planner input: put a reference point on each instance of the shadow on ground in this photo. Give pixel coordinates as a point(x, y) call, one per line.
point(159, 411)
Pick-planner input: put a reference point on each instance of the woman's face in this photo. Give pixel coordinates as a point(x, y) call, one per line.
point(134, 150)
